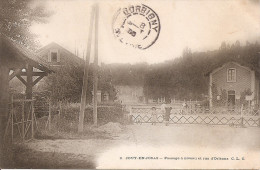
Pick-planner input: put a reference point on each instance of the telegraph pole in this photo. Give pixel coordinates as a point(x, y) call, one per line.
point(95, 73)
point(85, 78)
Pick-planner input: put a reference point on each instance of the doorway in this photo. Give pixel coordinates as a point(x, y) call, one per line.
point(231, 99)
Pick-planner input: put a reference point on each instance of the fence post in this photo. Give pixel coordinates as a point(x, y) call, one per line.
point(32, 118)
point(190, 107)
point(258, 112)
point(49, 118)
point(131, 119)
point(60, 109)
point(259, 121)
point(12, 117)
point(242, 120)
point(23, 103)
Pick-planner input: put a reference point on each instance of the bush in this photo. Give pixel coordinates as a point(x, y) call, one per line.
point(65, 124)
point(106, 113)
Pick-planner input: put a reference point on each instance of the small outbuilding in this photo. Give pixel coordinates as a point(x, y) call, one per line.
point(17, 61)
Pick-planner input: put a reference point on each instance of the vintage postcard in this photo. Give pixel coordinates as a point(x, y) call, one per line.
point(130, 84)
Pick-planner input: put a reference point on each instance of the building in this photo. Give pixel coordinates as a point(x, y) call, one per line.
point(55, 55)
point(16, 61)
point(233, 84)
point(159, 100)
point(129, 94)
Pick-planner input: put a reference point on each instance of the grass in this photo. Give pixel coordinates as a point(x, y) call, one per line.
point(64, 129)
point(88, 133)
point(27, 158)
point(65, 125)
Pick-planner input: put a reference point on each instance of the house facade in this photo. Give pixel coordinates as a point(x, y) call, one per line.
point(56, 56)
point(233, 85)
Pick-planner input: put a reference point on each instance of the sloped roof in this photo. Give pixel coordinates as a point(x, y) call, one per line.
point(54, 44)
point(243, 64)
point(25, 54)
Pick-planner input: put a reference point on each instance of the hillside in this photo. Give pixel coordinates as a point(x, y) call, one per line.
point(184, 77)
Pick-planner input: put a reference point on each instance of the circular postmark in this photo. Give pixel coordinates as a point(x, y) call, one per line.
point(137, 26)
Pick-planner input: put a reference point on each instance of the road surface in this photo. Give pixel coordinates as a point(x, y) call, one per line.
point(160, 146)
point(186, 146)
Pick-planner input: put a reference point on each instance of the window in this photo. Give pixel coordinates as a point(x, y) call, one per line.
point(231, 75)
point(54, 57)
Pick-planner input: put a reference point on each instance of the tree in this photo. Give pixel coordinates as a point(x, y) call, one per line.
point(16, 18)
point(66, 83)
point(223, 46)
point(105, 83)
point(184, 77)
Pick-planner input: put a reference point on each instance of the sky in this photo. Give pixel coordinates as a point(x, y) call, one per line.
point(201, 25)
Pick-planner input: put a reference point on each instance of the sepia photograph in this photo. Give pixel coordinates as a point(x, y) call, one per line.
point(130, 84)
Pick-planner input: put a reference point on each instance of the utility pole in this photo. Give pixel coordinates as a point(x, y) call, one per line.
point(85, 78)
point(95, 73)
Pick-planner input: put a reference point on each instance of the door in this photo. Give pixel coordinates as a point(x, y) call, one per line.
point(231, 99)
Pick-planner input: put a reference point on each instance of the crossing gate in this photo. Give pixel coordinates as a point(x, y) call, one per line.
point(243, 118)
point(21, 121)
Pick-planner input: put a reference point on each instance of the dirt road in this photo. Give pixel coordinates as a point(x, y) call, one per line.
point(186, 146)
point(147, 146)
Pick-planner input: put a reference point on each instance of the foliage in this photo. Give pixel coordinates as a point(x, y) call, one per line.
point(185, 77)
point(67, 120)
point(16, 18)
point(243, 95)
point(105, 83)
point(106, 113)
point(126, 74)
point(66, 84)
